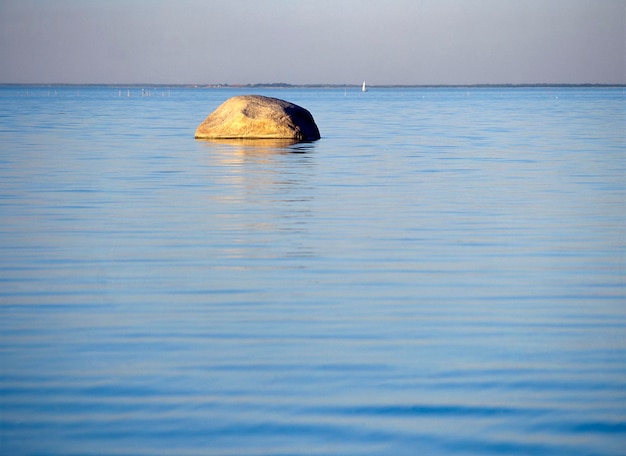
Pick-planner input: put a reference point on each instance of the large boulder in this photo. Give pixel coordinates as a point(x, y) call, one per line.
point(258, 117)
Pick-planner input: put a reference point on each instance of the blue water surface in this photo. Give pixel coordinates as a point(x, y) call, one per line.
point(443, 273)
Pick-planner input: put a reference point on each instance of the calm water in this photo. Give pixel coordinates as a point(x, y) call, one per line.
point(444, 272)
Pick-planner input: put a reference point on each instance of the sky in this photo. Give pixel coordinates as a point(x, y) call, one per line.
point(313, 41)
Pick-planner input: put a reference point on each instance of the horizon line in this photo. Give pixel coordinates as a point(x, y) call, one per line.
point(278, 85)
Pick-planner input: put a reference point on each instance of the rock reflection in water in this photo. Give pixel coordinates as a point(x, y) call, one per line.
point(265, 188)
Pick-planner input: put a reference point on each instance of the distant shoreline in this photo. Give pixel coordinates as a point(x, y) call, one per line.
point(302, 86)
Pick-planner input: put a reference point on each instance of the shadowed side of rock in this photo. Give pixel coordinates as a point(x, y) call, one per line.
point(258, 117)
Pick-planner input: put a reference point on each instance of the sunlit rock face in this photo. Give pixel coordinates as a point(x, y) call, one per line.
point(258, 117)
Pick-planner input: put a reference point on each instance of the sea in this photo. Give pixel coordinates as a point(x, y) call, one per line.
point(442, 273)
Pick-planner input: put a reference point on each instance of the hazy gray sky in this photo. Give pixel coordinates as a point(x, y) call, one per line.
point(313, 41)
